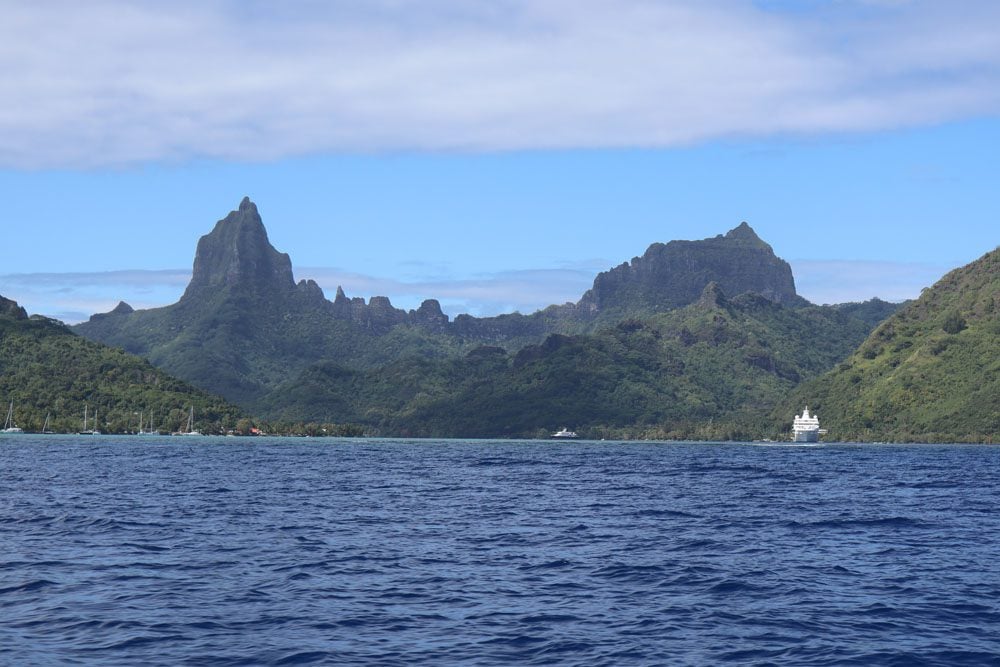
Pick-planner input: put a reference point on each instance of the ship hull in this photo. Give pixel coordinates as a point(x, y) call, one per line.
point(806, 436)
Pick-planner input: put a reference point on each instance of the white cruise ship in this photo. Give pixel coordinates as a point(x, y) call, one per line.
point(806, 428)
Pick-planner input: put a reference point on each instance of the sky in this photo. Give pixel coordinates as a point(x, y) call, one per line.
point(493, 155)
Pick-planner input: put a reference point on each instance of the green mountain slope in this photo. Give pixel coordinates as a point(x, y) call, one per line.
point(712, 369)
point(46, 369)
point(244, 327)
point(931, 372)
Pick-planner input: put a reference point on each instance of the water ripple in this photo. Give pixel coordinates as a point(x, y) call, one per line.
point(368, 552)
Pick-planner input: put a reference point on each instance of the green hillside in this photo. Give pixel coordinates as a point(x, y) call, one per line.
point(713, 369)
point(46, 369)
point(244, 325)
point(655, 348)
point(930, 373)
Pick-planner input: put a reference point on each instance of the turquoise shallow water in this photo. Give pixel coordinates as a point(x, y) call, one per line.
point(201, 551)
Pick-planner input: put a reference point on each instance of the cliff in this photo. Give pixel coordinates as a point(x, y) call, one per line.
point(674, 274)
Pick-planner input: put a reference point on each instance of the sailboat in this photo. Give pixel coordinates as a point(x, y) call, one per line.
point(86, 431)
point(45, 425)
point(190, 430)
point(9, 426)
point(150, 430)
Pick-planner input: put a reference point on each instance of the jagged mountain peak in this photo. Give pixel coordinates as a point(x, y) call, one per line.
point(743, 232)
point(674, 274)
point(238, 254)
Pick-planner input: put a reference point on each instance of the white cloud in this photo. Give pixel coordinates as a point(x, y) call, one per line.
point(489, 294)
point(842, 281)
point(122, 81)
point(74, 297)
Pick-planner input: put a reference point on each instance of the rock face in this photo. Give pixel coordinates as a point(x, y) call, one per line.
point(430, 316)
point(378, 315)
point(674, 274)
point(237, 253)
point(9, 308)
point(244, 328)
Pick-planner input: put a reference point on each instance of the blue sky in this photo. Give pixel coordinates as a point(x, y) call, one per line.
point(497, 155)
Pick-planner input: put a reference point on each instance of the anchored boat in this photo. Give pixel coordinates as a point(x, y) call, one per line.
point(9, 426)
point(806, 428)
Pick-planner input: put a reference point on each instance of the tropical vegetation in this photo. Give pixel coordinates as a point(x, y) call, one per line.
point(929, 373)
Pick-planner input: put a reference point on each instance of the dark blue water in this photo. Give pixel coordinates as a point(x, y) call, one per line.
point(284, 552)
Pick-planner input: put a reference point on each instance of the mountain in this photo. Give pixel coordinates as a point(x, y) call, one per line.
point(674, 274)
point(46, 369)
point(246, 330)
point(244, 325)
point(931, 372)
point(667, 276)
point(714, 368)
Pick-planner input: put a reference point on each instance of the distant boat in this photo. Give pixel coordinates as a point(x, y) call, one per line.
point(45, 425)
point(86, 431)
point(148, 431)
point(805, 427)
point(565, 433)
point(190, 429)
point(9, 426)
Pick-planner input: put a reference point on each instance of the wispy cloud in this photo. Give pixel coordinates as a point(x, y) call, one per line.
point(488, 294)
point(74, 297)
point(123, 81)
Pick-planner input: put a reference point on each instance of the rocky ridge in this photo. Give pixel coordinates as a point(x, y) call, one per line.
point(244, 326)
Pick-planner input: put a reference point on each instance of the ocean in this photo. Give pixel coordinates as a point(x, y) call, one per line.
point(240, 551)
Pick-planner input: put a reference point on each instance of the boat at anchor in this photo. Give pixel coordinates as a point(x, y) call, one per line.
point(805, 427)
point(190, 425)
point(9, 426)
point(89, 431)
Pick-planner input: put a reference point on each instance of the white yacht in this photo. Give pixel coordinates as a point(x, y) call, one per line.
point(190, 430)
point(806, 428)
point(9, 426)
point(565, 433)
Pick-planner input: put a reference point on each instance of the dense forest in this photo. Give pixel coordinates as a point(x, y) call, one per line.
point(713, 369)
point(48, 372)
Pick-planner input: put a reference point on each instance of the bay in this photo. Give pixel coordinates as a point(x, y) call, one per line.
point(240, 551)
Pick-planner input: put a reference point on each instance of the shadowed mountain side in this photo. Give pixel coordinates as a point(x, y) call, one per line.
point(243, 325)
point(12, 310)
point(929, 373)
point(666, 375)
point(667, 276)
point(674, 274)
